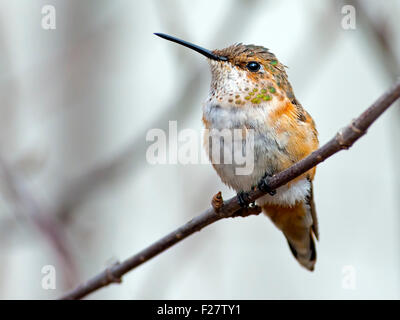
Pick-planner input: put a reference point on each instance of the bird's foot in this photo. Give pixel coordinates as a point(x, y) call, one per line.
point(252, 209)
point(263, 185)
point(243, 199)
point(217, 202)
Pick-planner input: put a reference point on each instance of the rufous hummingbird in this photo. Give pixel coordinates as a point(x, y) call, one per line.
point(250, 91)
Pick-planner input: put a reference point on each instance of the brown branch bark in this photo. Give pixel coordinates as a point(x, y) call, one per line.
point(344, 139)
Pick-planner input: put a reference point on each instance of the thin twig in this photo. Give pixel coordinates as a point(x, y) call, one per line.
point(344, 139)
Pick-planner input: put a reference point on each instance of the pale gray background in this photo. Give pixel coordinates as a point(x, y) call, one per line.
point(83, 96)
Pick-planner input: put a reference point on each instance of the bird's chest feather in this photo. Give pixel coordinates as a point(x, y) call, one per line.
point(268, 144)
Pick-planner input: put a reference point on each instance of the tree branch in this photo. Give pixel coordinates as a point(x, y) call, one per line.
point(344, 139)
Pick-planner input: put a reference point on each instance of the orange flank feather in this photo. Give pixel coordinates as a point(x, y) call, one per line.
point(301, 135)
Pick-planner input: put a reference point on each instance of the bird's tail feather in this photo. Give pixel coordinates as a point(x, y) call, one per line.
point(304, 251)
point(298, 224)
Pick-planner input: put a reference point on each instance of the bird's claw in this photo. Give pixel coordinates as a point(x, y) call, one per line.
point(243, 199)
point(263, 185)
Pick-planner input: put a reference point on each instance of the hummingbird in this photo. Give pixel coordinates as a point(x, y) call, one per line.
point(250, 90)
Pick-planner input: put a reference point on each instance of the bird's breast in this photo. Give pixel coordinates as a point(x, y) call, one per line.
point(267, 147)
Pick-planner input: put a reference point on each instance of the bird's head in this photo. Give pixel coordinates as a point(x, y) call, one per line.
point(243, 75)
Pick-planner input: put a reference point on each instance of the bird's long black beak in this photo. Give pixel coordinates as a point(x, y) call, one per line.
point(192, 46)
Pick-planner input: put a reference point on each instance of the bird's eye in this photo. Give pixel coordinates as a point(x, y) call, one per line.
point(253, 66)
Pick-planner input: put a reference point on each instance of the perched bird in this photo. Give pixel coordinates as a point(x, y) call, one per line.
point(250, 91)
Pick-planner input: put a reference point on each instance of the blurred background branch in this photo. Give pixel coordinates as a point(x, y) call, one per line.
point(27, 208)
